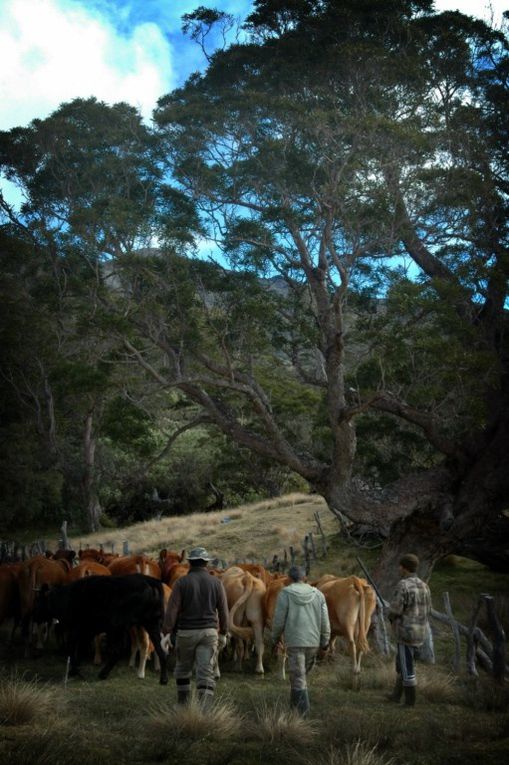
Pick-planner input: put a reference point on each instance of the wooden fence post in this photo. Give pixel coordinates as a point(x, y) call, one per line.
point(498, 639)
point(65, 540)
point(322, 534)
point(313, 548)
point(472, 641)
point(292, 555)
point(125, 547)
point(306, 554)
point(455, 632)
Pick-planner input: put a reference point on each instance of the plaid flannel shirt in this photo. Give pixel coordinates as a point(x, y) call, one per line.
point(409, 610)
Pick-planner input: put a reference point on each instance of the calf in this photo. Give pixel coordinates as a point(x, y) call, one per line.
point(109, 604)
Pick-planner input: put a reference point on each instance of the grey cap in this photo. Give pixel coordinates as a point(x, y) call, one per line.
point(296, 573)
point(198, 553)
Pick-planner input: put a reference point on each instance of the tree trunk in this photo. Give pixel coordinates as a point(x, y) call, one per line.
point(91, 500)
point(433, 514)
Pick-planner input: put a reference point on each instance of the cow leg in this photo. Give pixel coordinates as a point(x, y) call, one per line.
point(74, 643)
point(143, 641)
point(135, 646)
point(155, 637)
point(98, 659)
point(114, 646)
point(258, 639)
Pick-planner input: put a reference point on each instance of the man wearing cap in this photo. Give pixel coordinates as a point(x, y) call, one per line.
point(198, 612)
point(409, 613)
point(301, 616)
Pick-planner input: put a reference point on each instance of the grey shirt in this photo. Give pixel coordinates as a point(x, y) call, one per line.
point(198, 601)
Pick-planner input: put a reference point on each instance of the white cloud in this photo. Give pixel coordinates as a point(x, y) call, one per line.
point(54, 51)
point(487, 10)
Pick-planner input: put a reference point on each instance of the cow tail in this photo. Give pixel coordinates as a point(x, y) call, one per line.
point(244, 633)
point(363, 644)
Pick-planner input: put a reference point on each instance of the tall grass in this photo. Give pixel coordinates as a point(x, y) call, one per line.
point(357, 753)
point(25, 701)
point(277, 723)
point(220, 722)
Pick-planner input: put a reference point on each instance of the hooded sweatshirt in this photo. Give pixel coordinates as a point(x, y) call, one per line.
point(301, 614)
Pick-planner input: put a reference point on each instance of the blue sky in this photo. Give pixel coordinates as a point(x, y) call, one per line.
point(131, 50)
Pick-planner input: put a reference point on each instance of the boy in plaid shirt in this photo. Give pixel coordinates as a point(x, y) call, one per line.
point(408, 614)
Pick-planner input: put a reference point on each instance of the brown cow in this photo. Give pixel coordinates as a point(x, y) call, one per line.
point(167, 559)
point(34, 573)
point(87, 568)
point(135, 564)
point(141, 643)
point(350, 602)
point(98, 555)
point(244, 593)
point(257, 570)
point(9, 593)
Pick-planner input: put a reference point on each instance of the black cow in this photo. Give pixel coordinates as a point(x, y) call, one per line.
point(109, 604)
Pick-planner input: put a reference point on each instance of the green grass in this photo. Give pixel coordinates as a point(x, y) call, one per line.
point(457, 720)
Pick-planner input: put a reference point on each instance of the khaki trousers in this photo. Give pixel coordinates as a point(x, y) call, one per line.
point(196, 649)
point(300, 662)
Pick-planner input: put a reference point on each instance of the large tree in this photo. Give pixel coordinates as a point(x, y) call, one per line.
point(357, 149)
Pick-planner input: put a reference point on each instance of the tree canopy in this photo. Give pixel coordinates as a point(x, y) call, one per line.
point(349, 162)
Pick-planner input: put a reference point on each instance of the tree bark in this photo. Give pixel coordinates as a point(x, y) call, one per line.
point(91, 500)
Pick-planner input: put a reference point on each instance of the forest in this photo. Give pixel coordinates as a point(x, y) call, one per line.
point(293, 279)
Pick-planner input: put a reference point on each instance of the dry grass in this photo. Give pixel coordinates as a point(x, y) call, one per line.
point(435, 686)
point(271, 525)
point(220, 722)
point(357, 753)
point(24, 701)
point(277, 723)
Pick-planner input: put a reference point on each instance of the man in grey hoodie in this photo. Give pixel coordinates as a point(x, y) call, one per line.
point(301, 616)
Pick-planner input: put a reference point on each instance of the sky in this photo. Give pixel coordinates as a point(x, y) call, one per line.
point(52, 51)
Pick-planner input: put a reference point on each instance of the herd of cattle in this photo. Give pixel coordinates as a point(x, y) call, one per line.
point(101, 594)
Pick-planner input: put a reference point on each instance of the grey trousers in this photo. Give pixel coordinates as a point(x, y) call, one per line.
point(300, 662)
point(196, 649)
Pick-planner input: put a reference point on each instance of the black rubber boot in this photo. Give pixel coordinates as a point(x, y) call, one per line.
point(410, 696)
point(183, 697)
point(299, 700)
point(397, 693)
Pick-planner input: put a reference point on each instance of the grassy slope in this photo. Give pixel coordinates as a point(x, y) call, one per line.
point(457, 720)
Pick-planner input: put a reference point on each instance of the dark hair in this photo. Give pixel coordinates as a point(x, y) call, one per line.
point(410, 562)
point(297, 573)
point(198, 563)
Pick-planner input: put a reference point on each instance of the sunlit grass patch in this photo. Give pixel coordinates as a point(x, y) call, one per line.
point(357, 753)
point(24, 701)
point(220, 722)
point(277, 723)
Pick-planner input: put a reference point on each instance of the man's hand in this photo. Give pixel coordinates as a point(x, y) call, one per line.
point(221, 641)
point(323, 651)
point(277, 647)
point(166, 643)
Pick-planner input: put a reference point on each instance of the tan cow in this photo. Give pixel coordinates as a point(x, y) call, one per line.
point(244, 593)
point(274, 587)
point(350, 602)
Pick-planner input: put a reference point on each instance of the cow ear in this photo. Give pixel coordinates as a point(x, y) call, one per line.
point(163, 554)
point(182, 555)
